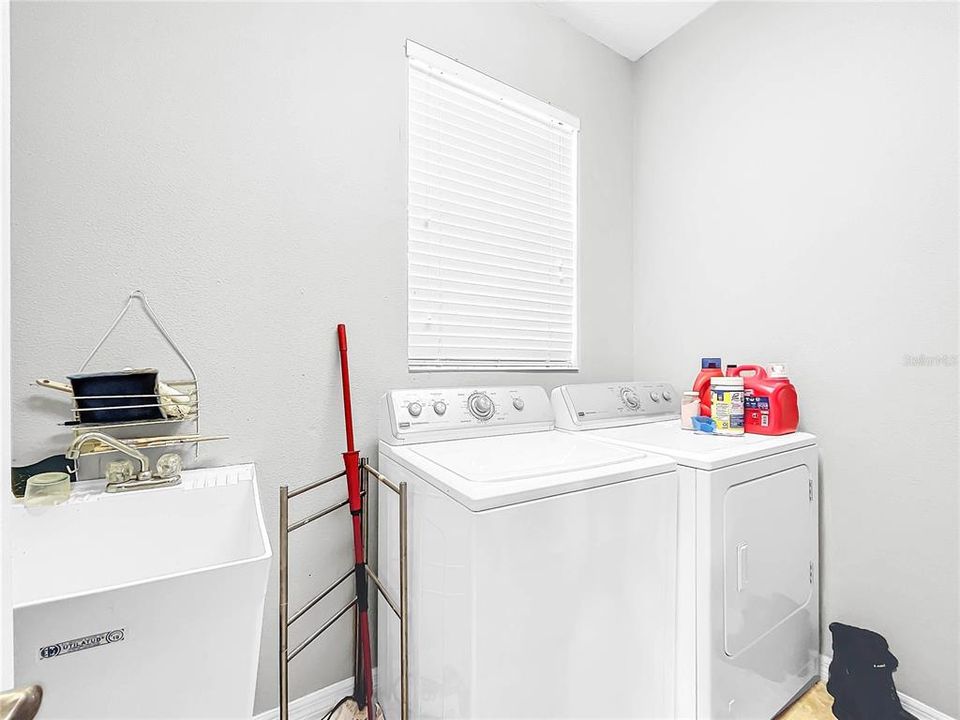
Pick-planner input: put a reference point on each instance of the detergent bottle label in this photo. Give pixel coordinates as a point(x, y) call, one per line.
point(727, 411)
point(758, 408)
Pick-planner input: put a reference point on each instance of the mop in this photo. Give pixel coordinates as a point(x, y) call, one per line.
point(355, 707)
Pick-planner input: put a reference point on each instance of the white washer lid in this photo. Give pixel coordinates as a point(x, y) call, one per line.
point(706, 452)
point(488, 472)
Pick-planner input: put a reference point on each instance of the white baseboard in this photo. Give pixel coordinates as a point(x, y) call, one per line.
point(315, 705)
point(921, 710)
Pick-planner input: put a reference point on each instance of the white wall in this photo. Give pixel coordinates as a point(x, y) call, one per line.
point(796, 199)
point(244, 162)
point(245, 165)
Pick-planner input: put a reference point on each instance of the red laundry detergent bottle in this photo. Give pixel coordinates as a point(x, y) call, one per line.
point(709, 367)
point(770, 401)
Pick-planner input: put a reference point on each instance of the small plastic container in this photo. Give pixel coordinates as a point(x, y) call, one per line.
point(689, 408)
point(50, 488)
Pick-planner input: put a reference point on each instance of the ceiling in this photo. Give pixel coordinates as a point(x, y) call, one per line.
point(629, 28)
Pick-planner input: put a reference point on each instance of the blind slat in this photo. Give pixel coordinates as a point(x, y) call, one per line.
point(424, 313)
point(442, 284)
point(543, 204)
point(441, 197)
point(482, 270)
point(487, 166)
point(481, 106)
point(500, 308)
point(492, 230)
point(444, 115)
point(496, 299)
point(420, 202)
point(490, 329)
point(467, 239)
point(468, 364)
point(432, 169)
point(499, 160)
point(545, 150)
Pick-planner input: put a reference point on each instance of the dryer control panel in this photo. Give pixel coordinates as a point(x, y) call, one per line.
point(431, 414)
point(600, 405)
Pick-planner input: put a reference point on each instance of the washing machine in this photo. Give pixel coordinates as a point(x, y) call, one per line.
point(748, 639)
point(541, 565)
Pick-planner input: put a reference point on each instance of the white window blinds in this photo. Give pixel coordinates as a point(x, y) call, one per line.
point(492, 223)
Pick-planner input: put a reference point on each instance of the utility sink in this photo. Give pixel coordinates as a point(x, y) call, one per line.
point(146, 604)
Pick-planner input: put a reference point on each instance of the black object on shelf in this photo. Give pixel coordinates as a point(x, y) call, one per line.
point(109, 397)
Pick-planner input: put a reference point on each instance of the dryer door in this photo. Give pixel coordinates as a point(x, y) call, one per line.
point(769, 533)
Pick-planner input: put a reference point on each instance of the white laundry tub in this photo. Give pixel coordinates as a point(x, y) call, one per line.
point(143, 605)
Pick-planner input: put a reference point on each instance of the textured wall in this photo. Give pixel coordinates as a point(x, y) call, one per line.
point(796, 199)
point(245, 165)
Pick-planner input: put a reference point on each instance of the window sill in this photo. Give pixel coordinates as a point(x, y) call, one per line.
point(468, 368)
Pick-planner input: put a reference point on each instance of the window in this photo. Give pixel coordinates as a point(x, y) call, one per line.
point(492, 223)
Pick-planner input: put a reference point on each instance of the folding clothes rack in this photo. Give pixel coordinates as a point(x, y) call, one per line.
point(400, 609)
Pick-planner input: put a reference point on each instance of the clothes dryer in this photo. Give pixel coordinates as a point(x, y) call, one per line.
point(748, 639)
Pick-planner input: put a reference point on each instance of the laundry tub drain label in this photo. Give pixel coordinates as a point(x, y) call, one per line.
point(81, 643)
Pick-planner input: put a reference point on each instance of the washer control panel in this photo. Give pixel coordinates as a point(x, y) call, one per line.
point(596, 405)
point(428, 414)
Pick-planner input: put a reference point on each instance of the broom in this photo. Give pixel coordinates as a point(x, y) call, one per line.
point(355, 707)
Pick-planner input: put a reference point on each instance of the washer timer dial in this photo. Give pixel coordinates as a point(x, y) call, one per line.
point(630, 398)
point(481, 406)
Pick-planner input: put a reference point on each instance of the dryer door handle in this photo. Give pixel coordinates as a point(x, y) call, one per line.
point(742, 578)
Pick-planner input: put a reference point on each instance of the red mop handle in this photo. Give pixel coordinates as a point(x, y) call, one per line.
point(351, 465)
point(345, 381)
point(351, 458)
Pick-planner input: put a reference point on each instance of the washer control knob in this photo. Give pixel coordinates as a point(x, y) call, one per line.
point(655, 396)
point(630, 399)
point(439, 407)
point(518, 403)
point(481, 406)
point(667, 396)
point(415, 409)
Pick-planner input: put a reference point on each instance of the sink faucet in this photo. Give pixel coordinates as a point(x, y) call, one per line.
point(74, 451)
point(143, 479)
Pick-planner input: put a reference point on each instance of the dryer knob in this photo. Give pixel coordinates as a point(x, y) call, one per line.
point(655, 396)
point(414, 409)
point(667, 396)
point(630, 399)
